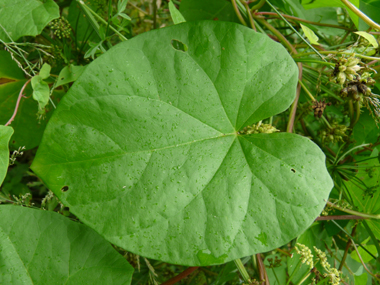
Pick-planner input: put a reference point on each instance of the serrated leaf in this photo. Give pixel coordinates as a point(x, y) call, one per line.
point(5, 135)
point(43, 247)
point(370, 38)
point(313, 39)
point(154, 162)
point(25, 17)
point(175, 14)
point(69, 74)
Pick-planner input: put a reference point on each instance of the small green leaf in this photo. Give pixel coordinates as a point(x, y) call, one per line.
point(45, 71)
point(27, 129)
point(370, 38)
point(5, 135)
point(125, 16)
point(313, 39)
point(175, 14)
point(41, 92)
point(25, 17)
point(121, 5)
point(69, 74)
point(43, 247)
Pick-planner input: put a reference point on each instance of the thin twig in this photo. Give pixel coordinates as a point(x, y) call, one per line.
point(304, 21)
point(347, 248)
point(362, 16)
point(18, 102)
point(340, 217)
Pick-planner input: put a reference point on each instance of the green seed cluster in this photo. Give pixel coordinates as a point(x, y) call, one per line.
point(61, 28)
point(258, 129)
point(335, 134)
point(306, 255)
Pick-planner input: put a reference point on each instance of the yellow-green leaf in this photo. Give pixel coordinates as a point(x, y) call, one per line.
point(369, 38)
point(310, 35)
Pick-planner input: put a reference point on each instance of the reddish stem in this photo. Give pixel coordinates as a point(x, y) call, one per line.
point(18, 102)
point(340, 217)
point(180, 276)
point(303, 20)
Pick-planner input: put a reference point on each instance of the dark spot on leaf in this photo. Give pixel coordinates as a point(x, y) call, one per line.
point(13, 141)
point(64, 188)
point(293, 170)
point(179, 45)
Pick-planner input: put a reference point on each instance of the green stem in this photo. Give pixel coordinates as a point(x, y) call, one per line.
point(323, 281)
point(275, 275)
point(154, 14)
point(258, 5)
point(361, 15)
point(250, 16)
point(338, 52)
point(352, 212)
point(350, 150)
point(306, 90)
point(277, 34)
point(314, 61)
point(304, 277)
point(357, 113)
point(242, 270)
point(298, 34)
point(238, 14)
point(101, 19)
point(374, 239)
point(295, 271)
point(351, 111)
point(326, 122)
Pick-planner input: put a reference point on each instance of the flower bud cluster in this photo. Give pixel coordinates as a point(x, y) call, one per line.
point(61, 28)
point(332, 273)
point(306, 255)
point(346, 69)
point(336, 134)
point(15, 154)
point(259, 128)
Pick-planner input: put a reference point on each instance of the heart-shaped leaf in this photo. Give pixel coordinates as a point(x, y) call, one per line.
point(5, 136)
point(43, 247)
point(145, 148)
point(25, 17)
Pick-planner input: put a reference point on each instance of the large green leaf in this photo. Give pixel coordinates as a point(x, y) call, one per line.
point(5, 136)
point(372, 9)
point(365, 130)
point(367, 197)
point(147, 144)
point(43, 247)
point(28, 130)
point(194, 10)
point(25, 17)
point(334, 3)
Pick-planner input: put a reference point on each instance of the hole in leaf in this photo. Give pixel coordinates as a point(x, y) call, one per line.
point(64, 188)
point(179, 45)
point(293, 170)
